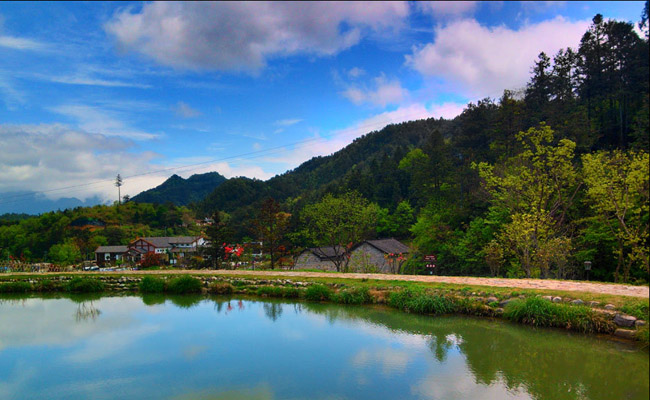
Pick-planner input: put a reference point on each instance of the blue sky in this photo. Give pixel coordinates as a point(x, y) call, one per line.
point(89, 90)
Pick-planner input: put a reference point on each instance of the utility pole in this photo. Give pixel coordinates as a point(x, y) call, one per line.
point(118, 183)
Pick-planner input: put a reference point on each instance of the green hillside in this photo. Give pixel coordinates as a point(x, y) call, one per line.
point(181, 191)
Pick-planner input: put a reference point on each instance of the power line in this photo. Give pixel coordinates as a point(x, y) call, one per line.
point(189, 167)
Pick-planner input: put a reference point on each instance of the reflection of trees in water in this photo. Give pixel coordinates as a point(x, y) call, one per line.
point(272, 310)
point(86, 311)
point(547, 364)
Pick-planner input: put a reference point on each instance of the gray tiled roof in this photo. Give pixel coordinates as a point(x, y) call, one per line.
point(111, 249)
point(389, 245)
point(169, 241)
point(327, 253)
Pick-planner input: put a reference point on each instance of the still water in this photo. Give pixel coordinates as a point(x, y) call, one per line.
point(226, 348)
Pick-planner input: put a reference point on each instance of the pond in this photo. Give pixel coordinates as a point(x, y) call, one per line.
point(156, 347)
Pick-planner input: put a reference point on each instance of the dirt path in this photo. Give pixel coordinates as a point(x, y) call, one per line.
point(572, 286)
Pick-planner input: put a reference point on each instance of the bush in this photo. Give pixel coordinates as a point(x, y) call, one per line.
point(291, 293)
point(539, 312)
point(46, 285)
point(420, 302)
point(354, 296)
point(150, 284)
point(84, 285)
point(15, 287)
point(184, 284)
point(220, 288)
point(318, 293)
point(151, 259)
point(275, 291)
point(269, 291)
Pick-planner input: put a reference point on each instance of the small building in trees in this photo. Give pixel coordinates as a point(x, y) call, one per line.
point(110, 254)
point(171, 250)
point(318, 258)
point(381, 255)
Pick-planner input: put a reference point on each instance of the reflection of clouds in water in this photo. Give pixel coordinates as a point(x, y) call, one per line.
point(38, 322)
point(261, 392)
point(17, 381)
point(96, 389)
point(193, 351)
point(106, 344)
point(454, 381)
point(391, 361)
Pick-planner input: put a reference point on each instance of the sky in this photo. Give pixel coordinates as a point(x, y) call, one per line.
point(146, 90)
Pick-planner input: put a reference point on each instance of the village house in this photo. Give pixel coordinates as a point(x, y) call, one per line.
point(171, 249)
point(318, 258)
point(109, 254)
point(381, 255)
point(386, 255)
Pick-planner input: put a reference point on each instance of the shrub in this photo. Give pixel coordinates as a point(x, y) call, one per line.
point(354, 296)
point(150, 284)
point(220, 288)
point(150, 259)
point(318, 293)
point(184, 284)
point(15, 287)
point(270, 291)
point(84, 285)
point(539, 312)
point(291, 293)
point(46, 285)
point(420, 302)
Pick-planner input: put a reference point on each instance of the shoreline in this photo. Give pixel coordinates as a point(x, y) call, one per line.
point(590, 313)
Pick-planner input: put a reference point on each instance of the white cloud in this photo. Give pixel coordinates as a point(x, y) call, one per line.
point(241, 36)
point(382, 93)
point(446, 8)
point(54, 159)
point(102, 121)
point(501, 59)
point(319, 145)
point(17, 43)
point(184, 110)
point(49, 157)
point(287, 122)
point(356, 72)
point(89, 81)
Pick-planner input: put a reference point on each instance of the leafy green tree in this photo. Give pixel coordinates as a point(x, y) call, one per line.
point(271, 227)
point(218, 237)
point(66, 253)
point(537, 187)
point(339, 223)
point(618, 192)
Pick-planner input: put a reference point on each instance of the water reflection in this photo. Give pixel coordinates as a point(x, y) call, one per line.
point(185, 347)
point(86, 311)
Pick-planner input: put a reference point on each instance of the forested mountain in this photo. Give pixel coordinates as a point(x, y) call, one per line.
point(181, 191)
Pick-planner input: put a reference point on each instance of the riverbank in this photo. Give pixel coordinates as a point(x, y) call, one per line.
point(596, 313)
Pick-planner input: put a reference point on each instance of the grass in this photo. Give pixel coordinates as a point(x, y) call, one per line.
point(15, 287)
point(542, 313)
point(359, 295)
point(150, 284)
point(420, 302)
point(638, 309)
point(318, 293)
point(84, 285)
point(184, 285)
point(221, 288)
